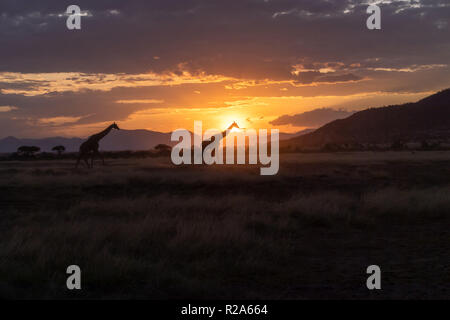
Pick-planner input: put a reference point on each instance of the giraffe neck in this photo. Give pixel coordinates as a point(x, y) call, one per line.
point(205, 143)
point(224, 133)
point(103, 133)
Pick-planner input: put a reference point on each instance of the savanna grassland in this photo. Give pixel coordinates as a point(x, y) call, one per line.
point(144, 228)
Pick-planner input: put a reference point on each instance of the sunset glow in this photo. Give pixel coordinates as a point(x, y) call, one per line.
point(216, 75)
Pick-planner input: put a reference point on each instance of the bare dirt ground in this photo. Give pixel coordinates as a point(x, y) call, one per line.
point(143, 228)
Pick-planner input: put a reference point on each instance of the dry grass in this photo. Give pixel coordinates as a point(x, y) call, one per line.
point(146, 229)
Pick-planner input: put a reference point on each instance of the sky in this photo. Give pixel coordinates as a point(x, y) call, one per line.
point(160, 65)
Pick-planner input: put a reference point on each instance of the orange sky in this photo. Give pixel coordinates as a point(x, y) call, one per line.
point(250, 112)
point(165, 102)
point(160, 65)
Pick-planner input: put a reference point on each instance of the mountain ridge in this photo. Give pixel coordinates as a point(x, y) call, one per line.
point(428, 118)
point(121, 140)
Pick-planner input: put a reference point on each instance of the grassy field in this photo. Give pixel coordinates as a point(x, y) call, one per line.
point(147, 229)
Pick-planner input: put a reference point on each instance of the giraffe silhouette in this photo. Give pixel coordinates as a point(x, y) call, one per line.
point(224, 134)
point(90, 147)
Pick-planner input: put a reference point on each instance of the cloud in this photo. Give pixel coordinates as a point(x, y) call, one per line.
point(161, 51)
point(312, 119)
point(139, 101)
point(58, 120)
point(32, 84)
point(7, 108)
point(279, 34)
point(318, 77)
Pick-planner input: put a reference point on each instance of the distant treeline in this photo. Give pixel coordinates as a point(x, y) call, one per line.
point(32, 153)
point(394, 146)
point(74, 155)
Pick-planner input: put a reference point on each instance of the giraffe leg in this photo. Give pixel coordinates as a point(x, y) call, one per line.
point(81, 157)
point(92, 159)
point(96, 153)
point(100, 156)
point(78, 161)
point(86, 161)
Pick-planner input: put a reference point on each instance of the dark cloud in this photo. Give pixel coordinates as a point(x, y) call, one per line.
point(317, 77)
point(255, 40)
point(240, 38)
point(312, 119)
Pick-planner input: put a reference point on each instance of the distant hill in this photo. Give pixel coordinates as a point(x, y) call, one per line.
point(428, 118)
point(286, 136)
point(116, 140)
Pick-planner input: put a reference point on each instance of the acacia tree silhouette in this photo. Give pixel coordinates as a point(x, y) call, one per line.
point(28, 151)
point(59, 149)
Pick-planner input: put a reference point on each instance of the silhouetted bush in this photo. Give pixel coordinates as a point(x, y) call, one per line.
point(27, 151)
point(163, 149)
point(59, 149)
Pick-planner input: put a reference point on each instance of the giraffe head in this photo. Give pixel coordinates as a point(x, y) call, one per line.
point(115, 126)
point(233, 125)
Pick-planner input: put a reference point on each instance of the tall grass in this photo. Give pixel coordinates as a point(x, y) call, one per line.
point(153, 231)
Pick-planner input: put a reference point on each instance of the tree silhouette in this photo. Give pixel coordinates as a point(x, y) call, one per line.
point(59, 149)
point(163, 149)
point(28, 151)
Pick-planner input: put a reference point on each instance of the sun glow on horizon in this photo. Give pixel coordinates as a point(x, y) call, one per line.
point(225, 120)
